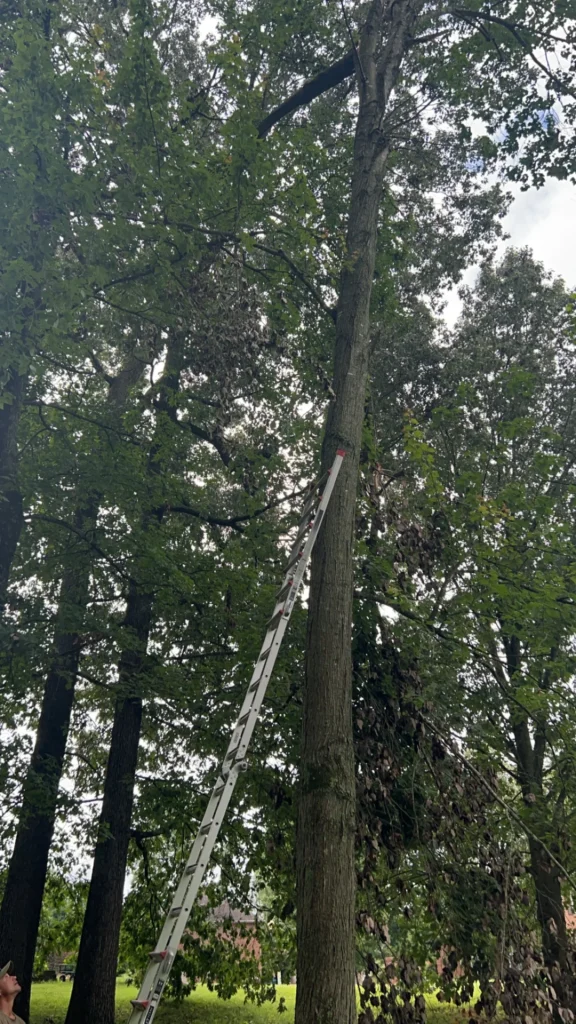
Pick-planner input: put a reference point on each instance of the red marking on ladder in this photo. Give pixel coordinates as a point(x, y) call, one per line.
point(340, 451)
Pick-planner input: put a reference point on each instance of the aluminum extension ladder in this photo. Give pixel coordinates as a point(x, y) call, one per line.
point(161, 959)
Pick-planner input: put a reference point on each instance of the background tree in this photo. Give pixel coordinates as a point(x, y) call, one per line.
point(493, 486)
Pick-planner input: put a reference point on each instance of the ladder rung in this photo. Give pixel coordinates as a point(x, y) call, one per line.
point(232, 759)
point(204, 829)
point(283, 592)
point(140, 1004)
point(319, 518)
point(158, 955)
point(303, 528)
point(306, 519)
point(264, 653)
point(308, 514)
point(244, 718)
point(275, 618)
point(295, 558)
point(174, 911)
point(191, 868)
point(300, 539)
point(258, 670)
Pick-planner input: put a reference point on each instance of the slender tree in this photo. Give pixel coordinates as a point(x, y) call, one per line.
point(496, 452)
point(327, 818)
point(93, 995)
point(27, 871)
point(11, 507)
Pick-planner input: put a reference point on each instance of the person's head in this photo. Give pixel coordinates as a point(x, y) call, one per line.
point(9, 986)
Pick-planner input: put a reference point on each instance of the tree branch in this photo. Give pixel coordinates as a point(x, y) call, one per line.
point(138, 834)
point(509, 810)
point(213, 438)
point(234, 521)
point(86, 419)
point(83, 536)
point(311, 89)
point(280, 254)
point(513, 28)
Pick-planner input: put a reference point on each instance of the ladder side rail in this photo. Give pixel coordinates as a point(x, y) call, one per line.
point(163, 956)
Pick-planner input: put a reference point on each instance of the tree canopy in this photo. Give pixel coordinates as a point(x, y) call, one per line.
point(226, 232)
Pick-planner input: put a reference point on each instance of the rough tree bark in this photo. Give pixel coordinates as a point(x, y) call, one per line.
point(326, 875)
point(545, 873)
point(549, 904)
point(11, 518)
point(93, 994)
point(26, 878)
point(530, 749)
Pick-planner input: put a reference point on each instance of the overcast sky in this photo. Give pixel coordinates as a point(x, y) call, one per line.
point(545, 220)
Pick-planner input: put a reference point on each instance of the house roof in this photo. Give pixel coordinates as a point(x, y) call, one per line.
point(224, 912)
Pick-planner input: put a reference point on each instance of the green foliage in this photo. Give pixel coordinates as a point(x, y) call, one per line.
point(61, 923)
point(141, 216)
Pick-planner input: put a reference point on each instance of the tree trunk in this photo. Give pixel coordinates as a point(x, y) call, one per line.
point(326, 876)
point(546, 875)
point(93, 994)
point(24, 891)
point(22, 900)
point(11, 518)
point(549, 907)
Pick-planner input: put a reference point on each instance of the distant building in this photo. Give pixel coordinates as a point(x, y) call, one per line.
point(59, 964)
point(234, 922)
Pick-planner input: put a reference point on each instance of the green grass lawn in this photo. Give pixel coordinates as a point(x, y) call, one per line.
point(50, 999)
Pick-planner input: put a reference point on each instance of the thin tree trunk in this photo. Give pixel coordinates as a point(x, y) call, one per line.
point(530, 751)
point(26, 879)
point(549, 907)
point(93, 995)
point(326, 876)
point(22, 899)
point(545, 874)
point(11, 518)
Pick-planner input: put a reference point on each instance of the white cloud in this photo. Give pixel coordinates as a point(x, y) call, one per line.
point(543, 219)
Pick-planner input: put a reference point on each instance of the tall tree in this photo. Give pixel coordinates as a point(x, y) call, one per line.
point(27, 871)
point(157, 202)
point(34, 167)
point(327, 816)
point(499, 452)
point(93, 995)
point(11, 507)
point(388, 34)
